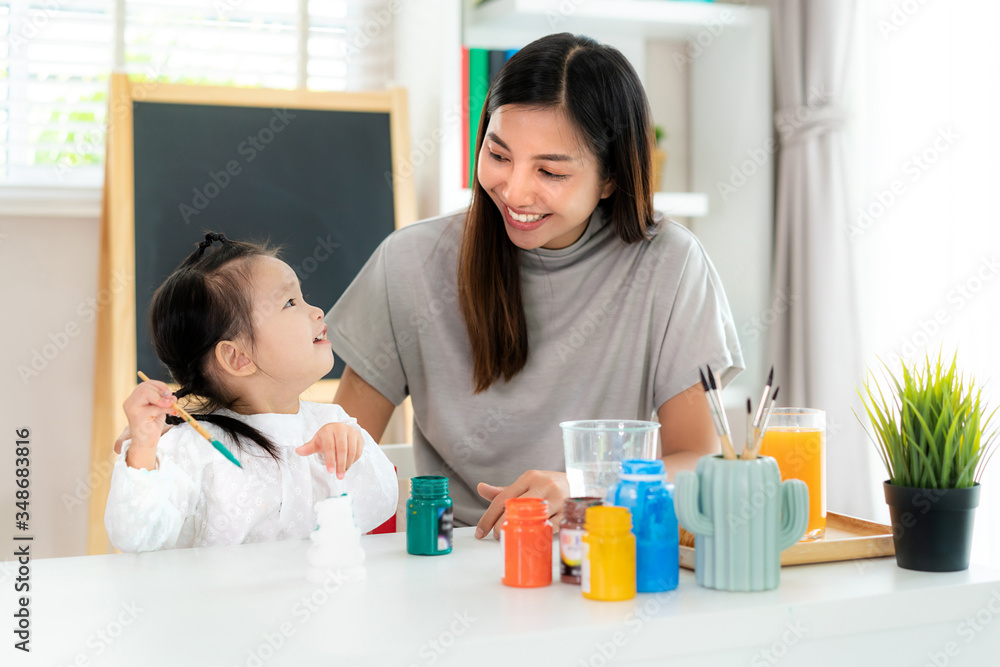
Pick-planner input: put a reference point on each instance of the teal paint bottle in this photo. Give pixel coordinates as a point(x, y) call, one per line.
point(429, 516)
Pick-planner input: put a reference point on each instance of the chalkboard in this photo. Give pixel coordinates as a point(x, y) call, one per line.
point(316, 182)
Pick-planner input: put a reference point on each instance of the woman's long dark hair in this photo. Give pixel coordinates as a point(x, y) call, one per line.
point(207, 299)
point(600, 92)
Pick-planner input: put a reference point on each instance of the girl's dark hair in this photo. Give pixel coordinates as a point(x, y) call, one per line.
point(600, 92)
point(207, 299)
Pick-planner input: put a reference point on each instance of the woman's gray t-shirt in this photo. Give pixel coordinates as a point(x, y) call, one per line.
point(614, 331)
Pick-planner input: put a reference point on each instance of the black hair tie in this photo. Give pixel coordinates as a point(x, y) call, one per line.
point(175, 420)
point(211, 238)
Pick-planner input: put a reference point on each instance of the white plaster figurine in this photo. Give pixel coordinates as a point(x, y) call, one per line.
point(336, 543)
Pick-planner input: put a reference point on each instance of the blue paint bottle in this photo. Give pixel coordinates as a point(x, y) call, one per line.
point(643, 489)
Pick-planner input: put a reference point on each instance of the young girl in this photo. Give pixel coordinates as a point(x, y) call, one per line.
point(233, 329)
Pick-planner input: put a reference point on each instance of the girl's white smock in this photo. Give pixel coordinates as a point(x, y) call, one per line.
point(196, 497)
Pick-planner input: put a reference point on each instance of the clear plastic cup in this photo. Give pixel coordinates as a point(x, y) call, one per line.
point(595, 449)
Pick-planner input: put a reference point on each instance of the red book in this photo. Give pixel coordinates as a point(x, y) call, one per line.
point(464, 102)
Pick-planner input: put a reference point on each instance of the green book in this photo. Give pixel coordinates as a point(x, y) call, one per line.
point(479, 85)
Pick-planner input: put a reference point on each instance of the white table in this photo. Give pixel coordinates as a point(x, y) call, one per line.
point(228, 606)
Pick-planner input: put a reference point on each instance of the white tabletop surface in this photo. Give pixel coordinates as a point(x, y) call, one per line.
point(251, 605)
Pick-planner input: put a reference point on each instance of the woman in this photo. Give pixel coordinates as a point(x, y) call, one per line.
point(560, 294)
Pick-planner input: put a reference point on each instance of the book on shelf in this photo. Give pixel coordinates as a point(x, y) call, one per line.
point(479, 68)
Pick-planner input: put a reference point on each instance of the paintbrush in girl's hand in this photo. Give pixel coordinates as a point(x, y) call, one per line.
point(199, 428)
point(718, 416)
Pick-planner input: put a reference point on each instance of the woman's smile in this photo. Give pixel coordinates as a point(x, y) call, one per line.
point(524, 221)
point(539, 173)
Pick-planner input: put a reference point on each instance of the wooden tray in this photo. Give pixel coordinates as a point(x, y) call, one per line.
point(847, 538)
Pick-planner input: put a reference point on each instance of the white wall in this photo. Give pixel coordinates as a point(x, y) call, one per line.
point(667, 87)
point(419, 44)
point(48, 275)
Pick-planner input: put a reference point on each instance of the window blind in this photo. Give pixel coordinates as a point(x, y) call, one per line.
point(56, 57)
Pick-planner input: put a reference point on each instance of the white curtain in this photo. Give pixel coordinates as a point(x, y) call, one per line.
point(815, 346)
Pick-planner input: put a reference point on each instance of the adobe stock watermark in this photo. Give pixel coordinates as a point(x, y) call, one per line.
point(425, 148)
point(958, 298)
point(303, 610)
point(805, 453)
point(780, 647)
point(99, 473)
point(57, 341)
point(900, 14)
point(322, 251)
point(223, 8)
point(248, 149)
point(971, 627)
point(646, 608)
point(362, 37)
point(102, 639)
point(477, 439)
point(595, 318)
point(759, 324)
point(35, 22)
point(424, 315)
point(563, 11)
point(434, 649)
point(705, 38)
point(922, 501)
point(787, 123)
point(913, 169)
point(94, 140)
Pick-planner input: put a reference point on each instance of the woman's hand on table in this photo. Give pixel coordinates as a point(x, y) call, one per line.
point(545, 484)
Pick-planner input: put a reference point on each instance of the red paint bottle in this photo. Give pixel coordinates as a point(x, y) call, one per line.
point(527, 543)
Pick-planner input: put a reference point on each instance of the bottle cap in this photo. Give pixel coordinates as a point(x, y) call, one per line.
point(574, 509)
point(429, 486)
point(526, 509)
point(643, 470)
point(608, 519)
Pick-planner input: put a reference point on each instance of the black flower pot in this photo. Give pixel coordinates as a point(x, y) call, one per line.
point(932, 528)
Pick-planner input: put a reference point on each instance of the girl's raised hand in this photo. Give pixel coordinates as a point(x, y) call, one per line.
point(146, 409)
point(340, 444)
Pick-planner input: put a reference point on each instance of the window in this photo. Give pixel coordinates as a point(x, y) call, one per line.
point(925, 227)
point(56, 57)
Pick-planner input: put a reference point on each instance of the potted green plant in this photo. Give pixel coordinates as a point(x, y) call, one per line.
point(935, 438)
point(659, 155)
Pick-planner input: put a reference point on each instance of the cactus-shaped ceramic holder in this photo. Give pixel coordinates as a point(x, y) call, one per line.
point(742, 516)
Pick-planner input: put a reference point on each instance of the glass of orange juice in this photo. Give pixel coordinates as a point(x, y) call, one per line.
point(796, 438)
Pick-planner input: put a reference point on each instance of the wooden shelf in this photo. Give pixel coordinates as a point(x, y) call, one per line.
point(681, 204)
point(648, 18)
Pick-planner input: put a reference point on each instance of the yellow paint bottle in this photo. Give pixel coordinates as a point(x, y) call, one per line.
point(608, 569)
